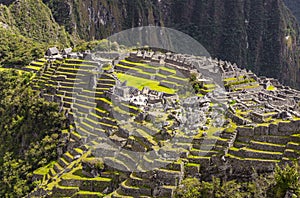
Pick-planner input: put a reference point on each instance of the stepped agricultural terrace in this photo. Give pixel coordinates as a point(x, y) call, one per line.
point(134, 102)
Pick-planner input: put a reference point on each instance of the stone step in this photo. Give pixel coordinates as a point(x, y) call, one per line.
point(186, 146)
point(165, 191)
point(130, 159)
point(82, 108)
point(62, 162)
point(293, 146)
point(256, 154)
point(169, 165)
point(203, 161)
point(97, 184)
point(273, 139)
point(75, 136)
point(264, 146)
point(52, 172)
point(134, 191)
point(87, 194)
point(101, 112)
point(191, 169)
point(58, 168)
point(68, 157)
point(116, 164)
point(76, 152)
point(196, 152)
point(168, 177)
point(64, 191)
point(290, 153)
point(103, 85)
point(120, 194)
point(136, 181)
point(227, 135)
point(204, 146)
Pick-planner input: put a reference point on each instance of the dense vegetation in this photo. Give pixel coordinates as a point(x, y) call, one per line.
point(19, 52)
point(285, 181)
point(27, 28)
point(30, 130)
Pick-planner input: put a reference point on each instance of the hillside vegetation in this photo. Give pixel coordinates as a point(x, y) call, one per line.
point(27, 28)
point(30, 131)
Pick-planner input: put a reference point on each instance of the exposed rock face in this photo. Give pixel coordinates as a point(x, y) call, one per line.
point(99, 19)
point(259, 35)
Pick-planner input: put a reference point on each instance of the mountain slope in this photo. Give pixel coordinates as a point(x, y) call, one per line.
point(32, 28)
point(264, 34)
point(260, 33)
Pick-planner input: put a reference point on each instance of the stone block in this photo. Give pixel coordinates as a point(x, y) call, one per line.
point(261, 130)
point(273, 129)
point(287, 128)
point(245, 131)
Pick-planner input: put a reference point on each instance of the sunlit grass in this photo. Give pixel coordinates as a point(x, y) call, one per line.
point(140, 83)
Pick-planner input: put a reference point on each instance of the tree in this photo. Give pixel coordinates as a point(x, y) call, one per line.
point(30, 129)
point(287, 179)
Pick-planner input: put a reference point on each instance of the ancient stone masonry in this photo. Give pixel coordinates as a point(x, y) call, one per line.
point(146, 102)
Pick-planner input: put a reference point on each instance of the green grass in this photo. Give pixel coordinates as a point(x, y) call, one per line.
point(33, 67)
point(271, 88)
point(90, 193)
point(229, 79)
point(192, 165)
point(234, 149)
point(209, 86)
point(140, 83)
point(179, 78)
point(149, 66)
point(70, 175)
point(4, 69)
point(252, 159)
point(45, 169)
point(139, 64)
point(168, 69)
point(106, 100)
point(249, 87)
point(269, 144)
point(78, 150)
point(38, 63)
point(263, 152)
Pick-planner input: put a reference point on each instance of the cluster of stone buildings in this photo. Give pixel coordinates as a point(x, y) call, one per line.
point(262, 115)
point(54, 53)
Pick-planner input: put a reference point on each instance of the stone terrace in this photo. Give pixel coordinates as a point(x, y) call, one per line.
point(261, 128)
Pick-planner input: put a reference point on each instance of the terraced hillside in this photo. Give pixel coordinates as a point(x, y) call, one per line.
point(141, 123)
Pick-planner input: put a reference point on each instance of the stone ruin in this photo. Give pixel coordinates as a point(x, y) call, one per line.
point(261, 127)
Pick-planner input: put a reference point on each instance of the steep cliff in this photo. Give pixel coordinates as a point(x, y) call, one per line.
point(259, 35)
point(33, 19)
point(99, 19)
